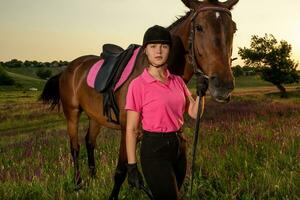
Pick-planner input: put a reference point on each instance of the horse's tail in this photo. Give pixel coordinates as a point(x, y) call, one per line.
point(50, 94)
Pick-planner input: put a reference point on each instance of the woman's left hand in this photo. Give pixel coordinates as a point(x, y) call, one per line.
point(135, 178)
point(201, 84)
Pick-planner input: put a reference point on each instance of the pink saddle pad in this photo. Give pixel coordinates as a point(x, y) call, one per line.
point(91, 77)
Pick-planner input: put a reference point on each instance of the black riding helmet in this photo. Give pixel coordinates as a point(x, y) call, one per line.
point(157, 34)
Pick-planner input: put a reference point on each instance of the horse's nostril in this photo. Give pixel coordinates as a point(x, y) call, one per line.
point(215, 81)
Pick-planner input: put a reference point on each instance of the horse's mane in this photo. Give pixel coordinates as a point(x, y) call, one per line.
point(179, 20)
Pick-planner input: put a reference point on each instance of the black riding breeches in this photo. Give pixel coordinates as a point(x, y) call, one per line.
point(163, 160)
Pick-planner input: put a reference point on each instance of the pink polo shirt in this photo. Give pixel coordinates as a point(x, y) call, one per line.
point(161, 105)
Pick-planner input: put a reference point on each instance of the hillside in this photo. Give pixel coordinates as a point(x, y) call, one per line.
point(31, 71)
point(23, 82)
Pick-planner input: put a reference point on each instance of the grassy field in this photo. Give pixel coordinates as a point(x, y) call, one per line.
point(248, 149)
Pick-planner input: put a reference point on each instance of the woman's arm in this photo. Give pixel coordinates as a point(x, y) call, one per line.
point(192, 106)
point(131, 135)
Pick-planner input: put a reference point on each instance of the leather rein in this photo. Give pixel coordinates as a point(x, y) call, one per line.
point(201, 73)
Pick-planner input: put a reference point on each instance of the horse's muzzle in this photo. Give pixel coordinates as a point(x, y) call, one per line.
point(220, 90)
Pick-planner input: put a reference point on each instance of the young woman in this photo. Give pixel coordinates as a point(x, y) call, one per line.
point(158, 99)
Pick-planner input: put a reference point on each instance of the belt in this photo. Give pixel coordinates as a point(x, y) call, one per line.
point(161, 134)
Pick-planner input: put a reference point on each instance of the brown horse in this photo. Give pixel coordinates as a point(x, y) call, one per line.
point(201, 38)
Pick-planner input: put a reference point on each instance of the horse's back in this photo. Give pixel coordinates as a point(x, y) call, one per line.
point(82, 61)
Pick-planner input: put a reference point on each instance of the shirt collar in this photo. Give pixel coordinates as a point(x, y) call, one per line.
point(149, 79)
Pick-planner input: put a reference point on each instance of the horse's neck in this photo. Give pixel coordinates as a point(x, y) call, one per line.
point(179, 57)
point(140, 64)
point(182, 31)
point(178, 60)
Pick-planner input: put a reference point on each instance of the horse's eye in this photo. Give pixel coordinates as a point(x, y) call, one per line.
point(199, 28)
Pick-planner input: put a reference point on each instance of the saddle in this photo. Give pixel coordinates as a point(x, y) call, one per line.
point(111, 54)
point(115, 60)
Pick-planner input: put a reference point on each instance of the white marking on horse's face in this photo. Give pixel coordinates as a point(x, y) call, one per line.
point(217, 15)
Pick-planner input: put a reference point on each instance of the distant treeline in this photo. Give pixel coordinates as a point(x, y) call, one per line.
point(18, 63)
point(245, 71)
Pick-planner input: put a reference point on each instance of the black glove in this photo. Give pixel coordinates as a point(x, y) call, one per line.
point(135, 178)
point(201, 84)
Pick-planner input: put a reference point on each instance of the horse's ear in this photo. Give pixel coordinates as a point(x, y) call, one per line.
point(230, 3)
point(191, 4)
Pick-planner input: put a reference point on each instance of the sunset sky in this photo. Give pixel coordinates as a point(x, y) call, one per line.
point(47, 30)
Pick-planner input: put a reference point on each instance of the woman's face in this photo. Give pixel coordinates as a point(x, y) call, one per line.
point(157, 53)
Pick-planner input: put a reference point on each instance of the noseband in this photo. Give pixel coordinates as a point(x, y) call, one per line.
point(192, 35)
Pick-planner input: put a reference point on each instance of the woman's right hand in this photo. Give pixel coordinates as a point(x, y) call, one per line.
point(135, 178)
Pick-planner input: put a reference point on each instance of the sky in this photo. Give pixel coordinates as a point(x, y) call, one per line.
point(47, 30)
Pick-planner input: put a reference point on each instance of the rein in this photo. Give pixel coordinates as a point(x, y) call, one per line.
point(199, 71)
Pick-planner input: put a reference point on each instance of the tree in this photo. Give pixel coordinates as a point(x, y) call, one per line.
point(5, 79)
point(27, 63)
point(274, 60)
point(237, 71)
point(44, 73)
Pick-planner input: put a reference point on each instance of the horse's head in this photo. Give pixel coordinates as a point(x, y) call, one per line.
point(210, 29)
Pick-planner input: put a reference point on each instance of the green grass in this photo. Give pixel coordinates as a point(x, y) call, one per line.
point(248, 149)
point(250, 81)
point(243, 82)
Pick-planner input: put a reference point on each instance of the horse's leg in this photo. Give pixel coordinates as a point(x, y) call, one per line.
point(121, 170)
point(90, 141)
point(72, 116)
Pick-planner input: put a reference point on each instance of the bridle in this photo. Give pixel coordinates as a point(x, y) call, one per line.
point(192, 35)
